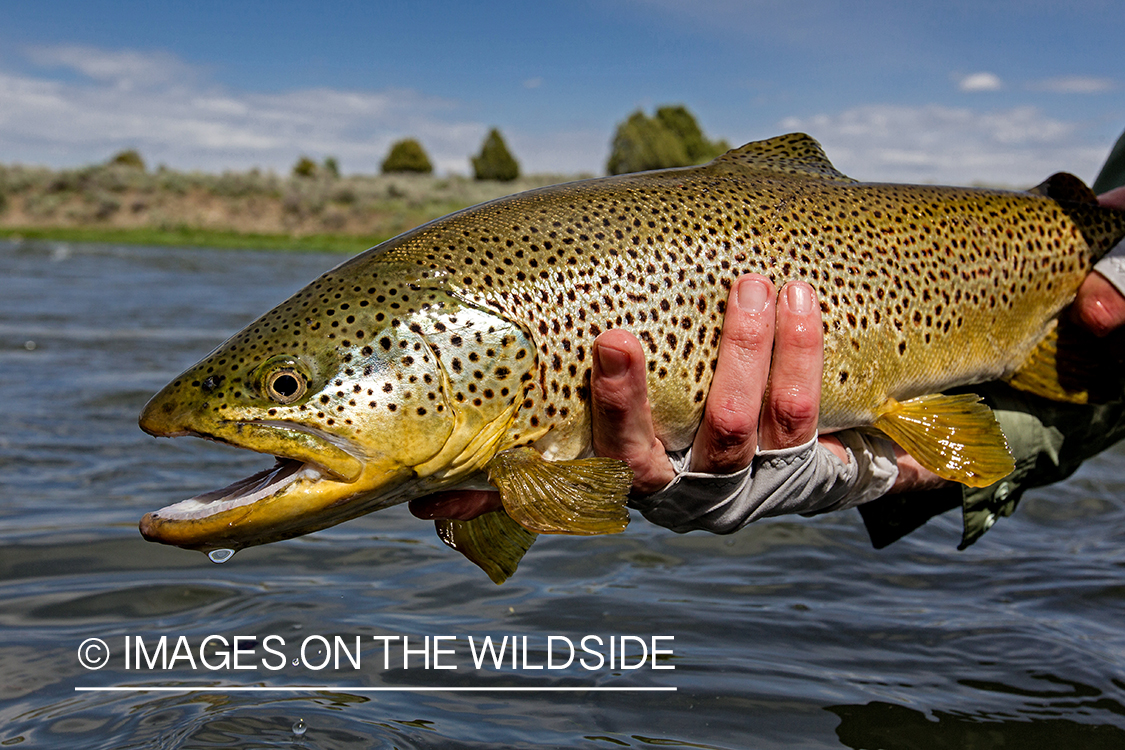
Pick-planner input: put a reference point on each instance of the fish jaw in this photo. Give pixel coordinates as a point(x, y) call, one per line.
point(319, 480)
point(289, 500)
point(334, 456)
point(197, 522)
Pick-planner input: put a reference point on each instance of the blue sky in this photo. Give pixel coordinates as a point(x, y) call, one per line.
point(952, 91)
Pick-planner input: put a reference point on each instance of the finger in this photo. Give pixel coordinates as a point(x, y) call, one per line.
point(460, 505)
point(790, 412)
point(1099, 306)
point(621, 416)
point(728, 435)
point(1114, 198)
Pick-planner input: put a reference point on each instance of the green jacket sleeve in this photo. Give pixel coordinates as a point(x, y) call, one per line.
point(1113, 171)
point(1049, 441)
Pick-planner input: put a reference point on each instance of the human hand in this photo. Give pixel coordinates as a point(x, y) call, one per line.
point(731, 429)
point(769, 342)
point(1099, 306)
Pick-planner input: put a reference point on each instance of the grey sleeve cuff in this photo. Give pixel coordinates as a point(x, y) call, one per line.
point(1113, 267)
point(805, 479)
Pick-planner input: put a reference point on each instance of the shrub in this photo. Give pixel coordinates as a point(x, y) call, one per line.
point(177, 183)
point(331, 167)
point(104, 205)
point(672, 138)
point(683, 124)
point(129, 158)
point(345, 193)
point(495, 162)
point(407, 155)
point(305, 167)
point(642, 143)
point(116, 178)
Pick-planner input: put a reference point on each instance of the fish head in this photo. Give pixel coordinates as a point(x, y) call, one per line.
point(368, 394)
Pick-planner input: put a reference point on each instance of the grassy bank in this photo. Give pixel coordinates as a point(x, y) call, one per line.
point(192, 237)
point(118, 203)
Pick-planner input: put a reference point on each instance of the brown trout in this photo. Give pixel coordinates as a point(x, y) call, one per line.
point(459, 353)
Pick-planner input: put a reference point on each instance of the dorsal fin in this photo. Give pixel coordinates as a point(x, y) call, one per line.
point(793, 154)
point(1065, 188)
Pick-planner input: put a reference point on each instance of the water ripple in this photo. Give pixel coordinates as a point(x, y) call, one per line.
point(791, 633)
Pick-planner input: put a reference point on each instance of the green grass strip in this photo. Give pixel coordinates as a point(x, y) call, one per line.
point(190, 237)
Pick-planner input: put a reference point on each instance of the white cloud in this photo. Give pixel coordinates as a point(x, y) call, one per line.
point(1074, 85)
point(1018, 147)
point(166, 109)
point(981, 81)
point(160, 105)
point(560, 152)
point(124, 68)
point(173, 115)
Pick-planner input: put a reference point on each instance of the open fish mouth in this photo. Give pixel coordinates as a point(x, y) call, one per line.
point(244, 492)
point(313, 473)
point(317, 480)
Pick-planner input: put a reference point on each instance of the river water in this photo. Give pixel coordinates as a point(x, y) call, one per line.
point(791, 633)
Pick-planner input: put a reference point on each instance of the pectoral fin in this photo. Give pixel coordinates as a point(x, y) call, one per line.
point(584, 496)
point(492, 541)
point(955, 437)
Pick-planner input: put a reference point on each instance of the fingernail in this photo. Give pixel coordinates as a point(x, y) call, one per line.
point(800, 298)
point(752, 295)
point(613, 362)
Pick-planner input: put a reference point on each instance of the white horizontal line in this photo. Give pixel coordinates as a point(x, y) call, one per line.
point(348, 689)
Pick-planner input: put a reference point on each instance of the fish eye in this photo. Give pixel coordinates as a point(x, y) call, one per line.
point(282, 379)
point(285, 385)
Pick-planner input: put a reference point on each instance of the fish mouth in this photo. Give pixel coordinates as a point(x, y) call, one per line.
point(334, 456)
point(313, 471)
point(238, 494)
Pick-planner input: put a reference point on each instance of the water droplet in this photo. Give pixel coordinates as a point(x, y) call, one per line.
point(300, 727)
point(30, 345)
point(220, 555)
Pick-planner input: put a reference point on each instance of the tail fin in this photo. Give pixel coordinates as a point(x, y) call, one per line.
point(1102, 227)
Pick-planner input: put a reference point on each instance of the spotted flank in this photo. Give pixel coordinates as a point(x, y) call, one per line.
point(459, 354)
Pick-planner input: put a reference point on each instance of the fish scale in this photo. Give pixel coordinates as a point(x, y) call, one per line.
point(424, 363)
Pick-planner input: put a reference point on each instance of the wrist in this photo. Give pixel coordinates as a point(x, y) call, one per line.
point(913, 477)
